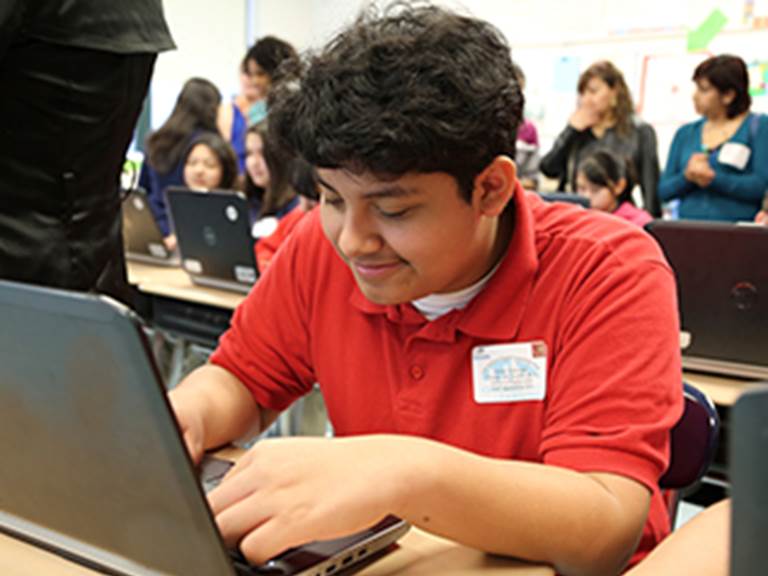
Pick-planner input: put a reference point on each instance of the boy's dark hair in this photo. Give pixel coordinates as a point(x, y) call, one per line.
point(195, 109)
point(604, 168)
point(223, 152)
point(726, 73)
point(415, 89)
point(275, 56)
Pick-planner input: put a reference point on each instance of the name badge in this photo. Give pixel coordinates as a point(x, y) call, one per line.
point(734, 154)
point(509, 372)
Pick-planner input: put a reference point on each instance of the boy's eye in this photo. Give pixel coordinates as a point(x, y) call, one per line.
point(332, 200)
point(393, 213)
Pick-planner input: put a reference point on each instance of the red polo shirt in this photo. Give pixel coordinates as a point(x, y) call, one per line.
point(595, 289)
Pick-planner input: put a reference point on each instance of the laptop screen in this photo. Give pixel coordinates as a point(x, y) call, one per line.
point(749, 477)
point(722, 280)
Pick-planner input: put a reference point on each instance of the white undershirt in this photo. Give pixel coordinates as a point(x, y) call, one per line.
point(435, 305)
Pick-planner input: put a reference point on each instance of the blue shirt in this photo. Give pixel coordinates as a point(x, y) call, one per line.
point(735, 193)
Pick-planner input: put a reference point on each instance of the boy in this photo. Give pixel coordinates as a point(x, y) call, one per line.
point(498, 371)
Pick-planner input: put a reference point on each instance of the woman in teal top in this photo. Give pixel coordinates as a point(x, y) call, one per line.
point(718, 166)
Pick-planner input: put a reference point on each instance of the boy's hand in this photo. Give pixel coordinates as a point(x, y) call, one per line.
point(287, 492)
point(190, 420)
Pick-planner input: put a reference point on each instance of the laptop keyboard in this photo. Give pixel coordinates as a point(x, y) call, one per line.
point(212, 470)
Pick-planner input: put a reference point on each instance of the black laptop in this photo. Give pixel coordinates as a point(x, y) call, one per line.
point(749, 477)
point(722, 280)
point(93, 466)
point(567, 197)
point(214, 235)
point(141, 235)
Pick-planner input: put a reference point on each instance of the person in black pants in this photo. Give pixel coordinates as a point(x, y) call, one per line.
point(73, 76)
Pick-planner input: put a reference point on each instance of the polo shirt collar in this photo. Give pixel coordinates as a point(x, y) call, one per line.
point(496, 312)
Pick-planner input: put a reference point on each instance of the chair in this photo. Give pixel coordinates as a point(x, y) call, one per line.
point(693, 444)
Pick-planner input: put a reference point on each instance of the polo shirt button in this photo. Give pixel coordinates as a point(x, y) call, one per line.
point(417, 372)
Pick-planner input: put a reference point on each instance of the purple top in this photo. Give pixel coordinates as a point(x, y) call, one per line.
point(527, 133)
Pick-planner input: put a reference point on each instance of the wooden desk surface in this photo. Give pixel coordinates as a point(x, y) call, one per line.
point(173, 282)
point(418, 554)
point(723, 390)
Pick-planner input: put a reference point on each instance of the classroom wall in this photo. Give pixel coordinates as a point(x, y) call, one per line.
point(210, 39)
point(553, 40)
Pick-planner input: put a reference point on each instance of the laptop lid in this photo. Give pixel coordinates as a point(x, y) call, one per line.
point(141, 235)
point(213, 231)
point(722, 283)
point(749, 478)
point(93, 466)
point(567, 197)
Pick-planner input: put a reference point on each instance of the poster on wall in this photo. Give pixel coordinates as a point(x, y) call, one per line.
point(666, 88)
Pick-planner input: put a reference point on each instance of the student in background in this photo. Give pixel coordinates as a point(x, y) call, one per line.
point(210, 163)
point(232, 116)
point(194, 112)
point(268, 61)
point(249, 92)
point(606, 181)
point(267, 182)
point(527, 146)
point(718, 165)
point(232, 125)
point(605, 118)
point(426, 295)
point(305, 185)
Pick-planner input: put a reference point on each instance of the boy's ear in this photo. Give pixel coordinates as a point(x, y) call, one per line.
point(495, 186)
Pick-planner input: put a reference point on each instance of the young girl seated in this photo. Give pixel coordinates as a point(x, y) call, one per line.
point(606, 181)
point(209, 163)
point(267, 181)
point(304, 183)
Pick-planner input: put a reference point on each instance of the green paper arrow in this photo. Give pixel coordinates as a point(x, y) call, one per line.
point(700, 38)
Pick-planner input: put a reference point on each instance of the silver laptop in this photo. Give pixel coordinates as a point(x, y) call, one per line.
point(214, 235)
point(141, 235)
point(749, 478)
point(722, 281)
point(93, 466)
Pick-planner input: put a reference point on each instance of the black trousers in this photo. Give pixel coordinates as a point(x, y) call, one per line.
point(66, 119)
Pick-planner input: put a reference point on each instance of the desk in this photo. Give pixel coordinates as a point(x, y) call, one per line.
point(173, 303)
point(173, 282)
point(723, 390)
point(418, 554)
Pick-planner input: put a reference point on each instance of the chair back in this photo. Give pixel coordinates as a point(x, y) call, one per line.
point(694, 441)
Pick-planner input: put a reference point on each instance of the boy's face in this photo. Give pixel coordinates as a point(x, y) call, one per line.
point(406, 238)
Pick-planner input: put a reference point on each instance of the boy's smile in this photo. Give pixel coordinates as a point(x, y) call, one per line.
point(407, 237)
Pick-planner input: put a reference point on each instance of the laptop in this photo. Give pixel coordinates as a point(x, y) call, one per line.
point(567, 197)
point(141, 236)
point(749, 478)
point(722, 282)
point(214, 236)
point(94, 467)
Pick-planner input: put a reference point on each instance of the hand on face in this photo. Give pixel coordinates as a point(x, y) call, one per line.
point(585, 116)
point(290, 491)
point(698, 170)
